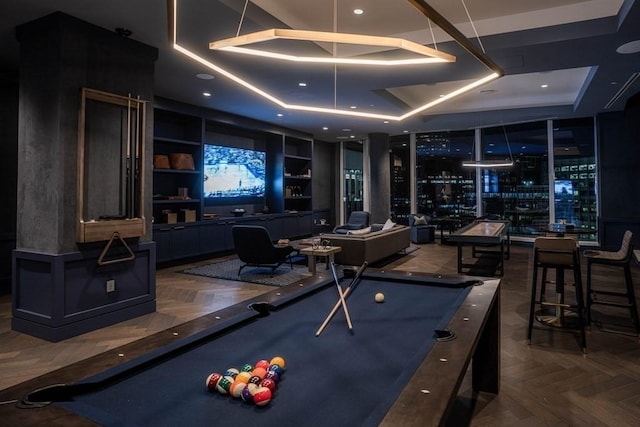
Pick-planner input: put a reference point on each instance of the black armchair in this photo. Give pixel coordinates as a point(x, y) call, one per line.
point(357, 221)
point(255, 248)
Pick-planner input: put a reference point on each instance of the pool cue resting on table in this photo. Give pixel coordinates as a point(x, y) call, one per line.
point(342, 296)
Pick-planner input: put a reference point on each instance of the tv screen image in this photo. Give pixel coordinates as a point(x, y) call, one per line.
point(563, 192)
point(231, 172)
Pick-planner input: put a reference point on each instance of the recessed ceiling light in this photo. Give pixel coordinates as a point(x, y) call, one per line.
point(631, 47)
point(614, 83)
point(353, 107)
point(358, 11)
point(204, 76)
point(405, 131)
point(302, 84)
point(544, 85)
point(385, 122)
point(352, 136)
point(280, 114)
point(206, 94)
point(325, 128)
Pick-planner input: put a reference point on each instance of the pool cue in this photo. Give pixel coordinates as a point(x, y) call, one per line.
point(343, 302)
point(347, 291)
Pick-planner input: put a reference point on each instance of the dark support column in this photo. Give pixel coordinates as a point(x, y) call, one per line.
point(379, 177)
point(59, 290)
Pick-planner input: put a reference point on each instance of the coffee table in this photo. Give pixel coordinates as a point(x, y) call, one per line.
point(323, 251)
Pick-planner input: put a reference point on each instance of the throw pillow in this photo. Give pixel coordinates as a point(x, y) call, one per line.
point(361, 231)
point(388, 225)
point(419, 220)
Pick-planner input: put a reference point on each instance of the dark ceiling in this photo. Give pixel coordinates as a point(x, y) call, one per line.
point(575, 56)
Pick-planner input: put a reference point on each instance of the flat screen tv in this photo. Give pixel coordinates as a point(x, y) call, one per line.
point(233, 175)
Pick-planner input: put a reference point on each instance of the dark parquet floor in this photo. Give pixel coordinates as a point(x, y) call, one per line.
point(548, 383)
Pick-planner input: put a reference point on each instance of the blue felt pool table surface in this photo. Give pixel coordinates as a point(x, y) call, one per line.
point(341, 378)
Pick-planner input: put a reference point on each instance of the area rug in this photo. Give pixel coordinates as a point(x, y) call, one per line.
point(228, 270)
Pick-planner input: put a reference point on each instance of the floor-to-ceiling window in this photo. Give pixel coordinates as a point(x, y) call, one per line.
point(519, 193)
point(574, 166)
point(533, 193)
point(400, 166)
point(443, 186)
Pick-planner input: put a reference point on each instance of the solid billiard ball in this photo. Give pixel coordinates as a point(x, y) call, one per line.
point(259, 372)
point(236, 389)
point(379, 297)
point(272, 375)
point(261, 364)
point(246, 368)
point(255, 380)
point(262, 396)
point(268, 383)
point(244, 377)
point(223, 384)
point(278, 360)
point(212, 381)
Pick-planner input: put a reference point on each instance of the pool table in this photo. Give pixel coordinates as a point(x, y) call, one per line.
point(388, 370)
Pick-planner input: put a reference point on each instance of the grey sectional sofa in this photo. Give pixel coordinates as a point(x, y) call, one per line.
point(370, 247)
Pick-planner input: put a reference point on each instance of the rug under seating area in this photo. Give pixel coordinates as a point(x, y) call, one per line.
point(228, 270)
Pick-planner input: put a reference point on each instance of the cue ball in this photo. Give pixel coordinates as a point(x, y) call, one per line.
point(379, 297)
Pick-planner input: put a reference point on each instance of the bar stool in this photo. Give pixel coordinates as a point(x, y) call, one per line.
point(560, 254)
point(619, 258)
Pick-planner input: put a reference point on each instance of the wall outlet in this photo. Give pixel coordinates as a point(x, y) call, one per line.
point(111, 285)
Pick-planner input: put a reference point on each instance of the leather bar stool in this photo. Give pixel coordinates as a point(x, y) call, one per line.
point(560, 254)
point(613, 298)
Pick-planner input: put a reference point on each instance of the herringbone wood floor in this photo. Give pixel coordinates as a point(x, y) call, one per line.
point(549, 382)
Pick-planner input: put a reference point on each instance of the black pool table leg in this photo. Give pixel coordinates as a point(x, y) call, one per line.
point(486, 357)
point(459, 258)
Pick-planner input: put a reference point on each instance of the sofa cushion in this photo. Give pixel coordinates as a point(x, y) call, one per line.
point(419, 220)
point(361, 231)
point(388, 225)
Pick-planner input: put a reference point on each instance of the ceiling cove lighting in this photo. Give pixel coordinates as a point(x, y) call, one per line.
point(430, 13)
